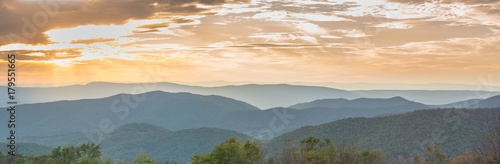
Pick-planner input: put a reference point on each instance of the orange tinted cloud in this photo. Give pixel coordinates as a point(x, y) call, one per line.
point(278, 41)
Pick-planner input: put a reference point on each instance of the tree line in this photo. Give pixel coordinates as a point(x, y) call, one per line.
point(309, 150)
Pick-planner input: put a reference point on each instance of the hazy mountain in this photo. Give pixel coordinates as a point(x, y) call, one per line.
point(460, 104)
point(365, 103)
point(492, 102)
point(397, 86)
point(164, 145)
point(25, 148)
point(428, 97)
point(263, 96)
point(178, 111)
point(278, 95)
point(75, 138)
point(454, 130)
point(170, 110)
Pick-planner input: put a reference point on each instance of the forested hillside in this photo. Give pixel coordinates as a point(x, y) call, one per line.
point(453, 130)
point(162, 144)
point(177, 111)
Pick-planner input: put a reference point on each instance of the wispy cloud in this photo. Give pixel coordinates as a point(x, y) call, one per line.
point(273, 40)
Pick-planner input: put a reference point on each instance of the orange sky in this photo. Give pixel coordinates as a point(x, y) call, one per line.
point(396, 41)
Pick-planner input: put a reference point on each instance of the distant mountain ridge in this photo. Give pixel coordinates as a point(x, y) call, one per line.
point(363, 107)
point(171, 110)
point(263, 96)
point(428, 97)
point(177, 111)
point(492, 102)
point(366, 103)
point(460, 104)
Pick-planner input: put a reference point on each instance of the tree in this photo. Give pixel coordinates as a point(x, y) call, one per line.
point(467, 157)
point(313, 150)
point(231, 151)
point(86, 152)
point(44, 159)
point(489, 146)
point(432, 156)
point(201, 159)
point(20, 161)
point(89, 150)
point(142, 158)
point(435, 156)
point(372, 156)
point(416, 159)
point(252, 151)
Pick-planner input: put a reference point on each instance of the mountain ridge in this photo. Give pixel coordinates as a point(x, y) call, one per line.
point(263, 96)
point(359, 103)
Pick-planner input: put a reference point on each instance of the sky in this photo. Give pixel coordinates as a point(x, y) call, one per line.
point(266, 41)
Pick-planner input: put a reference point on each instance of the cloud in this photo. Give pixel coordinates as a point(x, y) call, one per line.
point(319, 17)
point(271, 16)
point(311, 28)
point(43, 55)
point(90, 41)
point(446, 1)
point(285, 37)
point(275, 45)
point(154, 26)
point(26, 21)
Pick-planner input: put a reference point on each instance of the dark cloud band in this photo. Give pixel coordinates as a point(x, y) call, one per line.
point(26, 22)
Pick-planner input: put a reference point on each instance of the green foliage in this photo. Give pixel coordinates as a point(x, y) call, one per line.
point(432, 156)
point(201, 159)
point(453, 130)
point(231, 151)
point(21, 161)
point(416, 160)
point(143, 158)
point(162, 144)
point(108, 161)
point(314, 150)
point(468, 157)
point(87, 152)
point(252, 151)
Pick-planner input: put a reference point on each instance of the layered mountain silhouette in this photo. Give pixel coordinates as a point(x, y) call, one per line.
point(170, 110)
point(175, 125)
point(365, 103)
point(177, 111)
point(492, 102)
point(453, 130)
point(263, 96)
point(396, 135)
point(429, 97)
point(164, 145)
point(460, 104)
